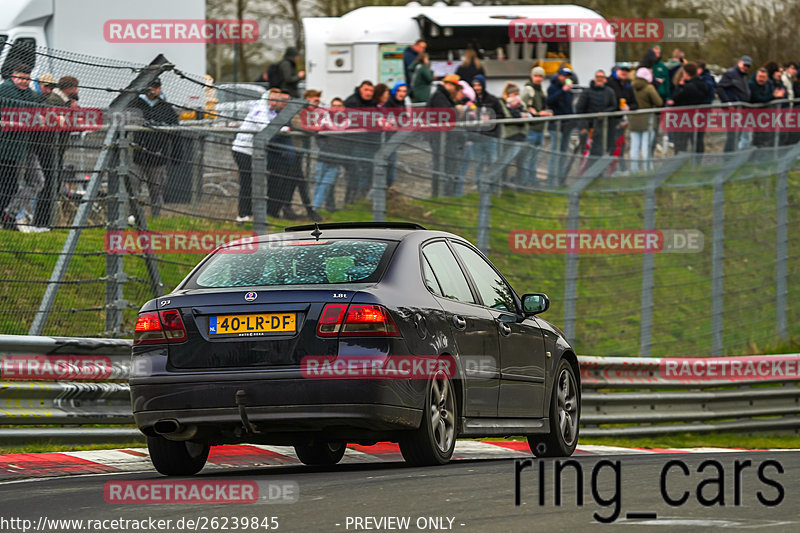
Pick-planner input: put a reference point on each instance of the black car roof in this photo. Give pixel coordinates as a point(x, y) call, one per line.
point(374, 230)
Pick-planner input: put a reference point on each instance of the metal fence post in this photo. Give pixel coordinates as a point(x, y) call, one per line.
point(573, 221)
point(646, 327)
point(782, 238)
point(717, 247)
point(442, 162)
point(260, 142)
point(115, 216)
point(486, 182)
point(197, 174)
point(120, 103)
point(380, 173)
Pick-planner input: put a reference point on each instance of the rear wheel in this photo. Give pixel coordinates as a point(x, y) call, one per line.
point(434, 441)
point(177, 458)
point(321, 453)
point(565, 409)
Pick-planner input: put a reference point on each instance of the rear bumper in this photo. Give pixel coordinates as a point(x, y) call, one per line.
point(280, 408)
point(291, 418)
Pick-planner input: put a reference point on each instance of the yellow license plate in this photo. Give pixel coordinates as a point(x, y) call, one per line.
point(252, 323)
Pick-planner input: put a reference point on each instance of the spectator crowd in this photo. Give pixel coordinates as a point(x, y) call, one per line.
point(32, 163)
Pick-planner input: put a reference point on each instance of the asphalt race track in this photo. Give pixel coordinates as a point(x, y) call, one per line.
point(732, 491)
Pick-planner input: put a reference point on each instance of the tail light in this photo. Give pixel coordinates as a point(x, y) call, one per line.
point(359, 320)
point(159, 328)
point(173, 325)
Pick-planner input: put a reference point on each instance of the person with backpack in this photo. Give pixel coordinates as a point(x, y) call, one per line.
point(284, 74)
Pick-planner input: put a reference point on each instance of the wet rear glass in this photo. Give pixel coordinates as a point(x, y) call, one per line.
point(295, 263)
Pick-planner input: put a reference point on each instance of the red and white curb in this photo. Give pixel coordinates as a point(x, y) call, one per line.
point(35, 465)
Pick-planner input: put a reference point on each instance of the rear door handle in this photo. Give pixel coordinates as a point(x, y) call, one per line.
point(459, 322)
point(505, 329)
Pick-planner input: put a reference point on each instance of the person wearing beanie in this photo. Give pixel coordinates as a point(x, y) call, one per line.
point(560, 101)
point(535, 101)
point(642, 126)
point(485, 147)
point(514, 134)
point(490, 103)
point(397, 95)
point(43, 86)
point(397, 103)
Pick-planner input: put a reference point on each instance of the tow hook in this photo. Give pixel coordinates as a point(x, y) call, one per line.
point(241, 402)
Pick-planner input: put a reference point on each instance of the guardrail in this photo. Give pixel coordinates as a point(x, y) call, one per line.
point(622, 396)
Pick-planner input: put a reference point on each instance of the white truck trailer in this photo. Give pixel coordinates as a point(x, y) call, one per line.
point(77, 26)
point(367, 44)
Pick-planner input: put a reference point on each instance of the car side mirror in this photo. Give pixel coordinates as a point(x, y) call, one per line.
point(535, 303)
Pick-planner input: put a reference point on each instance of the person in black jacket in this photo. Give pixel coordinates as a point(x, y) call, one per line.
point(733, 87)
point(364, 145)
point(762, 91)
point(600, 98)
point(560, 100)
point(620, 82)
point(470, 67)
point(446, 145)
point(154, 148)
point(289, 75)
point(690, 91)
point(485, 149)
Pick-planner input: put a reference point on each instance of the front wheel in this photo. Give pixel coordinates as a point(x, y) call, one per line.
point(565, 410)
point(321, 453)
point(177, 458)
point(433, 443)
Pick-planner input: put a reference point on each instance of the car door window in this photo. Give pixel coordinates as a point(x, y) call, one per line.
point(430, 278)
point(445, 267)
point(493, 289)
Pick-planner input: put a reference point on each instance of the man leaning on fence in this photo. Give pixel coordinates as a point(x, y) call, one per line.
point(733, 87)
point(560, 100)
point(13, 144)
point(152, 148)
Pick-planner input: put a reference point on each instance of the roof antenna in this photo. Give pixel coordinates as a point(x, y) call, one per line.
point(316, 233)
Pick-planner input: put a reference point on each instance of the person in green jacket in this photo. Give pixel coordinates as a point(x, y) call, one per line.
point(13, 144)
point(421, 79)
point(652, 60)
point(643, 126)
point(535, 101)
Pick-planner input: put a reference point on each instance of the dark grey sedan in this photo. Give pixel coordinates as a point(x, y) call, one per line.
point(349, 332)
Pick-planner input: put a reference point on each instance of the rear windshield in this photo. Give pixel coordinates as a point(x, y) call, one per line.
point(296, 263)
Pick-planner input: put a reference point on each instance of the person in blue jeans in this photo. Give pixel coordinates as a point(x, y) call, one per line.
point(327, 163)
point(535, 101)
point(560, 101)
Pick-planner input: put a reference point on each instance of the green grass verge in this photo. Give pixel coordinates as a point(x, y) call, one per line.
point(609, 286)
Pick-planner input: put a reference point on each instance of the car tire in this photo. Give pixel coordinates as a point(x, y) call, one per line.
point(565, 410)
point(177, 458)
point(435, 439)
point(321, 453)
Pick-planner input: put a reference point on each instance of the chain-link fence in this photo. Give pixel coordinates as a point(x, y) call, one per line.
point(195, 165)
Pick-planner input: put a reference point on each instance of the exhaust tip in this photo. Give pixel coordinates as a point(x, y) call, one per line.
point(167, 426)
